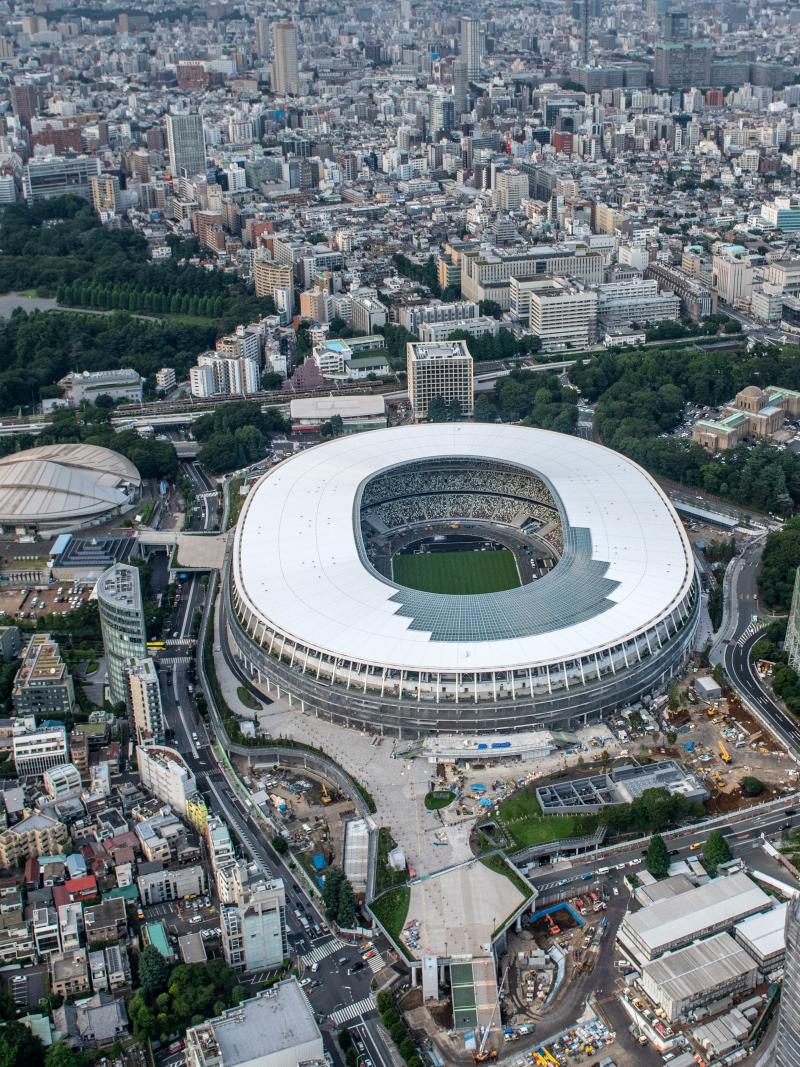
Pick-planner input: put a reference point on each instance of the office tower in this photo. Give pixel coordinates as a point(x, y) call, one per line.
point(254, 928)
point(144, 700)
point(442, 114)
point(285, 72)
point(262, 35)
point(439, 370)
point(119, 599)
point(584, 26)
point(787, 1040)
point(460, 88)
point(471, 45)
point(25, 102)
point(675, 26)
point(187, 144)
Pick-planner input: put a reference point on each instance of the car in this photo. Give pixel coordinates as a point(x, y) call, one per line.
point(357, 966)
point(314, 968)
point(342, 961)
point(195, 919)
point(674, 851)
point(695, 846)
point(789, 811)
point(615, 890)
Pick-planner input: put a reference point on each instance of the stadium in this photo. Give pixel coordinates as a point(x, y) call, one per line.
point(54, 489)
point(460, 578)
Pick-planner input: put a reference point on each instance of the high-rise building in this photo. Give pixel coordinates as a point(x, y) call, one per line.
point(165, 773)
point(682, 64)
point(25, 102)
point(254, 928)
point(471, 45)
point(105, 194)
point(675, 26)
point(285, 70)
point(510, 189)
point(119, 598)
point(460, 88)
point(563, 313)
point(786, 1050)
point(262, 35)
point(584, 28)
point(144, 700)
point(224, 373)
point(442, 114)
point(439, 370)
point(186, 142)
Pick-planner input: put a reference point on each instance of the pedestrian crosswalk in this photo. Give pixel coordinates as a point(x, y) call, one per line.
point(321, 952)
point(753, 628)
point(377, 963)
point(352, 1011)
point(173, 661)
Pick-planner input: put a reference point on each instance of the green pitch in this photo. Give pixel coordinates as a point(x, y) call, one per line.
point(458, 572)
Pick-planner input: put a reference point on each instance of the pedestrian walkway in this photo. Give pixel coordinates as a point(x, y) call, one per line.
point(352, 1011)
point(321, 952)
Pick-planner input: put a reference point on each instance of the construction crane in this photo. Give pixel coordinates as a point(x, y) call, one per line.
point(726, 756)
point(481, 1056)
point(326, 797)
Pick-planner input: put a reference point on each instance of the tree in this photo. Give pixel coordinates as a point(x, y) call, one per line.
point(346, 914)
point(656, 858)
point(19, 1047)
point(61, 1055)
point(438, 410)
point(330, 891)
point(752, 787)
point(716, 850)
point(491, 308)
point(153, 971)
point(280, 845)
point(485, 411)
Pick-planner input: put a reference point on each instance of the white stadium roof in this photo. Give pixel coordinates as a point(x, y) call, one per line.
point(298, 563)
point(54, 484)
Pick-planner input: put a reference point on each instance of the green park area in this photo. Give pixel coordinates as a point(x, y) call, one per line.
point(522, 819)
point(464, 573)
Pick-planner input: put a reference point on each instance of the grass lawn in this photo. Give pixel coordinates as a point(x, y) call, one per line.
point(247, 698)
point(235, 500)
point(522, 819)
point(458, 572)
point(434, 803)
point(391, 910)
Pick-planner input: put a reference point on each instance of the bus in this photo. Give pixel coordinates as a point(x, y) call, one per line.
point(156, 646)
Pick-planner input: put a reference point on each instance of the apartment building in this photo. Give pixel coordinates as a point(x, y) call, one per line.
point(69, 973)
point(144, 700)
point(164, 773)
point(43, 685)
point(35, 749)
point(254, 927)
point(158, 883)
point(222, 373)
point(563, 315)
point(439, 370)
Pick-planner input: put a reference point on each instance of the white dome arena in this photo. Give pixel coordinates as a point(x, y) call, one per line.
point(314, 619)
point(56, 488)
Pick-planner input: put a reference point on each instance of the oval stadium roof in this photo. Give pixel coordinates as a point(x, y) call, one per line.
point(299, 564)
point(52, 485)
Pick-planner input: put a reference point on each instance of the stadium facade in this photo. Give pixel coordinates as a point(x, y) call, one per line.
point(312, 619)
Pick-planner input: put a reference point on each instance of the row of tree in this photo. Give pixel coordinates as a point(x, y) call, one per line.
point(141, 301)
point(531, 398)
point(339, 898)
point(502, 345)
point(655, 810)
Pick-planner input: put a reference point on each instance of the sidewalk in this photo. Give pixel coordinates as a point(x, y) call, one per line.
point(398, 786)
